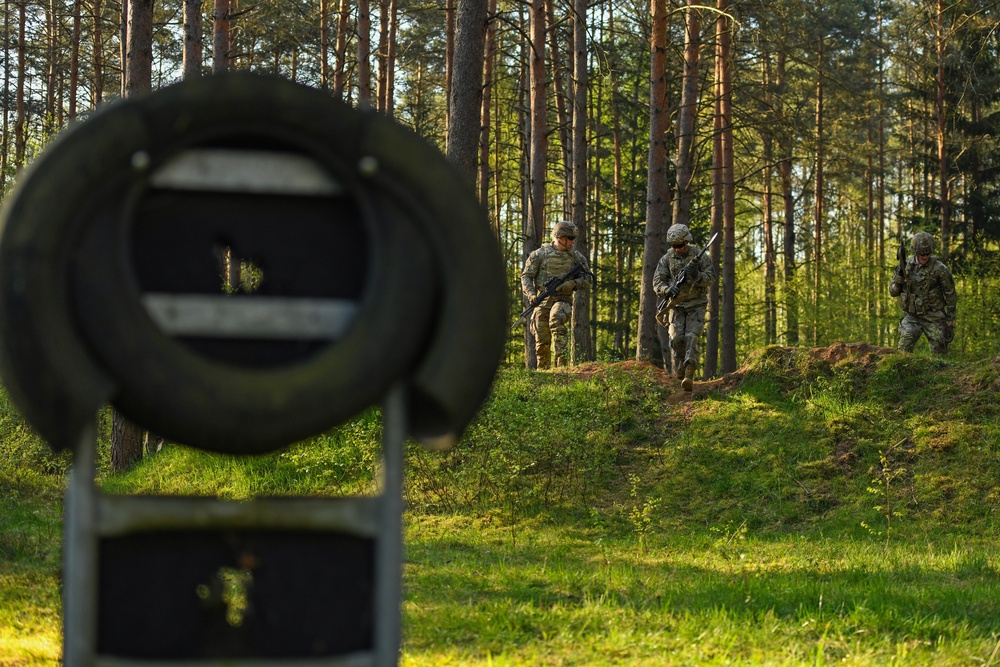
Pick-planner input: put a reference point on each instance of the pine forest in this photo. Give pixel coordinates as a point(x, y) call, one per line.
point(814, 135)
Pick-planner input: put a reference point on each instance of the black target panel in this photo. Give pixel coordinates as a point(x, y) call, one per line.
point(186, 594)
point(305, 247)
point(181, 244)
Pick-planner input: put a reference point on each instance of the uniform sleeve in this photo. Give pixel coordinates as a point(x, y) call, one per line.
point(948, 293)
point(661, 277)
point(587, 281)
point(706, 271)
point(529, 273)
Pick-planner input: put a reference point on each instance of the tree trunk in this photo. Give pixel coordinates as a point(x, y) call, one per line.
point(658, 195)
point(382, 57)
point(74, 57)
point(126, 443)
point(788, 218)
point(524, 151)
point(539, 143)
point(192, 38)
point(364, 55)
point(51, 37)
point(98, 55)
point(389, 95)
point(881, 287)
point(621, 323)
point(324, 44)
point(20, 125)
point(687, 114)
point(484, 132)
point(818, 209)
point(711, 368)
point(5, 151)
point(563, 120)
point(339, 74)
point(123, 46)
point(942, 148)
point(220, 37)
point(126, 438)
point(449, 57)
point(581, 304)
point(767, 142)
point(466, 94)
point(728, 342)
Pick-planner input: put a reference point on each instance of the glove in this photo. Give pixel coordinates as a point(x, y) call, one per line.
point(949, 331)
point(691, 271)
point(566, 288)
point(896, 286)
point(672, 291)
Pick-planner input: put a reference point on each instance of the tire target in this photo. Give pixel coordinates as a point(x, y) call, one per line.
point(364, 260)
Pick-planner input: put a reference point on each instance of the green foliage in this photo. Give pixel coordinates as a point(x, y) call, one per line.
point(28, 466)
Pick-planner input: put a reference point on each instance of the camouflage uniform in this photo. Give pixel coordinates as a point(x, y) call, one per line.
point(551, 315)
point(927, 298)
point(686, 319)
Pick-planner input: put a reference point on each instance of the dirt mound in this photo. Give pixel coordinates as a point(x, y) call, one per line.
point(794, 359)
point(859, 353)
point(591, 369)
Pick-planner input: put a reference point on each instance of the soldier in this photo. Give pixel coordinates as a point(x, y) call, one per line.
point(686, 316)
point(927, 297)
point(550, 317)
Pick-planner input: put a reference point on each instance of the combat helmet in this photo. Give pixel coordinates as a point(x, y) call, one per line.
point(562, 229)
point(922, 243)
point(679, 234)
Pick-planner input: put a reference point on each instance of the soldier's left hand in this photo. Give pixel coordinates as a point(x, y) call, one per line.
point(691, 271)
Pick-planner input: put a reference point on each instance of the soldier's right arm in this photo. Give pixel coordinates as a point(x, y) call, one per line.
point(662, 278)
point(896, 286)
point(529, 273)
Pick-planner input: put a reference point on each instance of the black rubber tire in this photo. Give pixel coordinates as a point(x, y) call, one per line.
point(159, 383)
point(470, 329)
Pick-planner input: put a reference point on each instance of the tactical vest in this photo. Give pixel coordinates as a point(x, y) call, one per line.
point(922, 293)
point(554, 263)
point(690, 295)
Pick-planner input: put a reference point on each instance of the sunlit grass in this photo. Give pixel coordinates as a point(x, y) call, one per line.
point(509, 597)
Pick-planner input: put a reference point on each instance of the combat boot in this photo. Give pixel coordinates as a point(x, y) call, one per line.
point(688, 382)
point(543, 362)
point(560, 361)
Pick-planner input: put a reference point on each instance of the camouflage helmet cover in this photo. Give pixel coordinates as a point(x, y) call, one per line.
point(563, 229)
point(679, 234)
point(922, 243)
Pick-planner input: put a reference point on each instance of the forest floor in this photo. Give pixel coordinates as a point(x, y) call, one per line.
point(823, 506)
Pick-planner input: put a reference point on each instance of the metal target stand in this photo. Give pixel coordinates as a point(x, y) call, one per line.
point(93, 516)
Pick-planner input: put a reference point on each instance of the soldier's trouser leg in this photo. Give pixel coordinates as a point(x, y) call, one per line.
point(663, 336)
point(936, 336)
point(680, 352)
point(909, 332)
point(560, 314)
point(686, 325)
point(543, 337)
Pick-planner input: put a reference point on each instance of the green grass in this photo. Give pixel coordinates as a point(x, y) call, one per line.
point(558, 595)
point(817, 512)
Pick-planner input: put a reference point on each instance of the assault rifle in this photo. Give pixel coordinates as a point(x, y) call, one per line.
point(550, 287)
point(675, 287)
point(901, 256)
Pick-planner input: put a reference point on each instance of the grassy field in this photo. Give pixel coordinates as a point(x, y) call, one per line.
point(819, 507)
